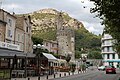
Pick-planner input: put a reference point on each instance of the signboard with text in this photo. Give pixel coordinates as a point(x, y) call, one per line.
point(9, 46)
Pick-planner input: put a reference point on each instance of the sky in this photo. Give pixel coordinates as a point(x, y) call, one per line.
point(75, 8)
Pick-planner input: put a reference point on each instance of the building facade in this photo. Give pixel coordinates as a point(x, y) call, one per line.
point(2, 30)
point(110, 57)
point(65, 38)
point(23, 33)
point(10, 25)
point(16, 30)
point(51, 46)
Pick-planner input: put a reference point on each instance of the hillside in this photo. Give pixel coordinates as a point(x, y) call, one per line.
point(44, 26)
point(44, 23)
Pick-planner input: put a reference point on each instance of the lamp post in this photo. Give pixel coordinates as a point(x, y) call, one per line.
point(38, 53)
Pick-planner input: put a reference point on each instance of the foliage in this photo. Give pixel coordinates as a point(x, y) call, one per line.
point(82, 67)
point(48, 35)
point(85, 41)
point(37, 40)
point(108, 11)
point(54, 54)
point(77, 54)
point(94, 55)
point(72, 67)
point(68, 58)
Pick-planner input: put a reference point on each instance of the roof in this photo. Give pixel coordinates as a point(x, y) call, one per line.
point(50, 57)
point(11, 53)
point(30, 55)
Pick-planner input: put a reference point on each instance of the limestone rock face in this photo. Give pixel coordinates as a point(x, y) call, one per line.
point(45, 19)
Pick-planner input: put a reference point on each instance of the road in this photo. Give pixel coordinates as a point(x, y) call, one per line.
point(92, 75)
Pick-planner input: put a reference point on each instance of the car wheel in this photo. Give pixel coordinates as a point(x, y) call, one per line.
point(106, 72)
point(114, 72)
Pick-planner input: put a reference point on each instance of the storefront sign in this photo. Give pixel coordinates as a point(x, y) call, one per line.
point(9, 46)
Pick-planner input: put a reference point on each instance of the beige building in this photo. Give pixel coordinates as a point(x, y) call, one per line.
point(2, 30)
point(16, 30)
point(23, 33)
point(65, 38)
point(10, 26)
point(2, 26)
point(51, 46)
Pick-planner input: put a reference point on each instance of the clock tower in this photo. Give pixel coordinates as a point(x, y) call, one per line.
point(65, 38)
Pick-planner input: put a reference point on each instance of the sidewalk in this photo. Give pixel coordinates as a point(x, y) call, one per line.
point(45, 77)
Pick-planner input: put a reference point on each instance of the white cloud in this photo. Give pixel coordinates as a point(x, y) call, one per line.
point(95, 28)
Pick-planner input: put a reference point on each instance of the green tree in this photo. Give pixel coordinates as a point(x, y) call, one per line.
point(94, 55)
point(37, 40)
point(68, 58)
point(108, 11)
point(77, 54)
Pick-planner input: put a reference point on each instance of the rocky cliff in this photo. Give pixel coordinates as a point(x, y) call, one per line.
point(45, 19)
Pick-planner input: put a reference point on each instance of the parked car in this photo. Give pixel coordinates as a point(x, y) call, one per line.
point(102, 68)
point(110, 69)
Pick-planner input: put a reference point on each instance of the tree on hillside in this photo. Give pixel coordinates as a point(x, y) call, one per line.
point(108, 11)
point(94, 55)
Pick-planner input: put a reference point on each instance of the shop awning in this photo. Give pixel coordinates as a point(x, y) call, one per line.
point(50, 57)
point(30, 55)
point(7, 53)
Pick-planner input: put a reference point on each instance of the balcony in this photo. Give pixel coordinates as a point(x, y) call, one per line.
point(105, 52)
point(106, 45)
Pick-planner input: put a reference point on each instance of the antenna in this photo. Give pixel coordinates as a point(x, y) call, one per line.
point(13, 11)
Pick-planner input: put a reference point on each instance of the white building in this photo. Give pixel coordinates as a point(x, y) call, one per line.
point(110, 57)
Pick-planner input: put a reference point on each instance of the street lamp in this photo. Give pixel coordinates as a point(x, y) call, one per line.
point(38, 53)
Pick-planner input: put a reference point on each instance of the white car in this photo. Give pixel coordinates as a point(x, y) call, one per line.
point(101, 68)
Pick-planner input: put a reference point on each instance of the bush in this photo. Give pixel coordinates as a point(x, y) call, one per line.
point(82, 67)
point(72, 67)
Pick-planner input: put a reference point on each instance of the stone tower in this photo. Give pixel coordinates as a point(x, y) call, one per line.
point(65, 38)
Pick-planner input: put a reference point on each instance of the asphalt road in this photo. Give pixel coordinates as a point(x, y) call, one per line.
point(93, 75)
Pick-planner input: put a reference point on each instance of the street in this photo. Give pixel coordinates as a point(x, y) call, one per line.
point(93, 75)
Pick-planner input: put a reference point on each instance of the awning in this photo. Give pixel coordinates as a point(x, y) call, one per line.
point(7, 53)
point(30, 55)
point(50, 57)
point(118, 60)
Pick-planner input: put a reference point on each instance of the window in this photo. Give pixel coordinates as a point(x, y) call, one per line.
point(113, 56)
point(9, 33)
point(18, 37)
point(108, 49)
point(108, 56)
point(52, 45)
point(46, 44)
point(10, 22)
point(22, 38)
point(27, 29)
